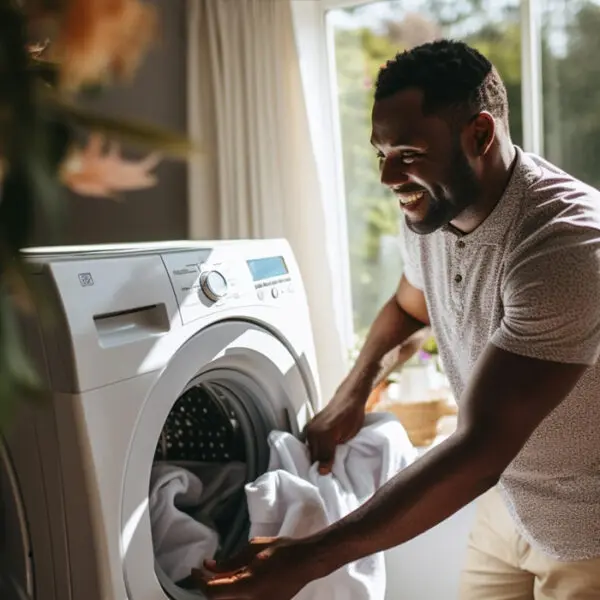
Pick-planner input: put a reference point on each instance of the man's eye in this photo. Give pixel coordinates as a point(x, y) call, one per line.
point(408, 157)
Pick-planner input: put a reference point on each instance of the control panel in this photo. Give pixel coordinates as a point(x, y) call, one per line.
point(274, 288)
point(206, 279)
point(119, 301)
point(271, 276)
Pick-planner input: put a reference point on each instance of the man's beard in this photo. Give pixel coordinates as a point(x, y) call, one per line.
point(447, 202)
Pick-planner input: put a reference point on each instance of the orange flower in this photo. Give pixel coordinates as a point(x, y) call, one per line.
point(100, 38)
point(91, 172)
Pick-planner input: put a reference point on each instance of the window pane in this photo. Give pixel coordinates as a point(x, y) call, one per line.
point(571, 86)
point(365, 37)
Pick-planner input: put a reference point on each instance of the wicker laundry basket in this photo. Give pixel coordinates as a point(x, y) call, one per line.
point(421, 419)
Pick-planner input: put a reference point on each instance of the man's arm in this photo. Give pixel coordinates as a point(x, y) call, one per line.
point(508, 397)
point(342, 418)
point(548, 336)
point(403, 315)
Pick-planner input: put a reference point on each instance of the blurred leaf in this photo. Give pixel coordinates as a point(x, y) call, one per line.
point(45, 70)
point(136, 133)
point(103, 172)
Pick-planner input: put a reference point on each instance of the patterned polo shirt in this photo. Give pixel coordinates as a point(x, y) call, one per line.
point(528, 281)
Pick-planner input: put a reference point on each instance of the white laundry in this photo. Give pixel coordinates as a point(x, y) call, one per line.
point(292, 499)
point(183, 496)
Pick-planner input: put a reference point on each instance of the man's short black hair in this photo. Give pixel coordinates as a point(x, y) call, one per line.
point(450, 74)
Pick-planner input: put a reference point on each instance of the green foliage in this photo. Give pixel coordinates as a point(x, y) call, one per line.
point(430, 346)
point(136, 133)
point(570, 86)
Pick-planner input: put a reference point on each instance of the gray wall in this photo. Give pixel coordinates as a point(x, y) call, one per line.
point(157, 94)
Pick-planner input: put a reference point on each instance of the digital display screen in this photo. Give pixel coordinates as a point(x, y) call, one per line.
point(265, 268)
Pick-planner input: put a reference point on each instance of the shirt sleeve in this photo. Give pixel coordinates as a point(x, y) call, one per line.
point(411, 256)
point(551, 298)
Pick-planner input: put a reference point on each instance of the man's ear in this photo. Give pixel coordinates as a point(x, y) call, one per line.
point(483, 132)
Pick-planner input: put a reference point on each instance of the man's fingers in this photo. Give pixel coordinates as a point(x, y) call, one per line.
point(220, 587)
point(242, 559)
point(262, 541)
point(200, 581)
point(325, 467)
point(313, 449)
point(325, 456)
point(227, 580)
point(321, 449)
point(230, 566)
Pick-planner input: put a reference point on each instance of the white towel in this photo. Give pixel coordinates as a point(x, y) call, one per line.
point(181, 496)
point(292, 499)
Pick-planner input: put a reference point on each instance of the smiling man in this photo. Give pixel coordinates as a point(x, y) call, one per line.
point(502, 258)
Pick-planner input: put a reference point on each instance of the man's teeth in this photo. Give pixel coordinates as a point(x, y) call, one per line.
point(407, 199)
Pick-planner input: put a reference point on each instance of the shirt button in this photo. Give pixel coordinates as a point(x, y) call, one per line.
point(460, 244)
point(458, 278)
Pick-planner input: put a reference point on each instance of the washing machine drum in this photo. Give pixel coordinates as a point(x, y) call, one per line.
point(216, 424)
point(202, 426)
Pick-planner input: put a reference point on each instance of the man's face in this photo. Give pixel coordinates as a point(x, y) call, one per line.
point(423, 162)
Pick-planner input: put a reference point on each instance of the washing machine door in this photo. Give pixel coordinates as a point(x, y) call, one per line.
point(273, 388)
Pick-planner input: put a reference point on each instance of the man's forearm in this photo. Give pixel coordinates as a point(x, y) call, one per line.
point(418, 498)
point(391, 328)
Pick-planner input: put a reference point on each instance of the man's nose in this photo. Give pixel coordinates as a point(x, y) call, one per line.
point(392, 174)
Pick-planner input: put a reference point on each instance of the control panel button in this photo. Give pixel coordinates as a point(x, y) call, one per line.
point(214, 285)
point(274, 292)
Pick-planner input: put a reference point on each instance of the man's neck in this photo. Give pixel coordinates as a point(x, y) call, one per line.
point(495, 182)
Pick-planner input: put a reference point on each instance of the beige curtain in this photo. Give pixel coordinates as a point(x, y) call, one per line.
point(246, 104)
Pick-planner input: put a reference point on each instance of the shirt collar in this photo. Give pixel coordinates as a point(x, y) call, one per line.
point(499, 221)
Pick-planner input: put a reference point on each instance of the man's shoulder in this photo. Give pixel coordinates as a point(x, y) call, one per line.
point(556, 206)
point(550, 189)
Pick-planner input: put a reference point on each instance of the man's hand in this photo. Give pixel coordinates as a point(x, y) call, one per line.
point(402, 315)
point(336, 424)
point(273, 568)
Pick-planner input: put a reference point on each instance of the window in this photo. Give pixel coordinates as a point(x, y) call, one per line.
point(364, 37)
point(571, 86)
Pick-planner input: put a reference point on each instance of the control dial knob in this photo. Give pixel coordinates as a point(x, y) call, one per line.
point(214, 285)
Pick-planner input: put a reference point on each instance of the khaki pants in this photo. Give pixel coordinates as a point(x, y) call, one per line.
point(501, 565)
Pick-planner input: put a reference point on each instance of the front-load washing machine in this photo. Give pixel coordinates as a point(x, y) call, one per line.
point(183, 351)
